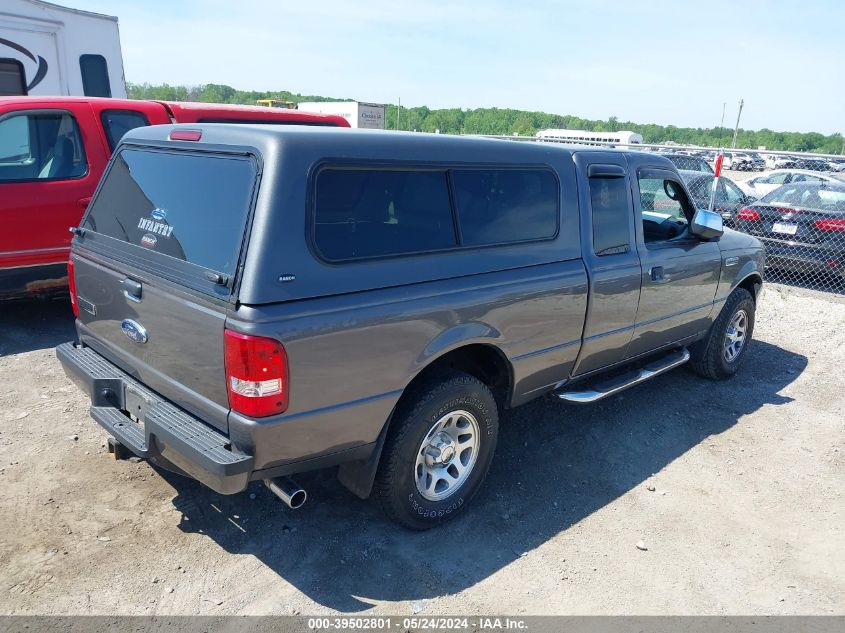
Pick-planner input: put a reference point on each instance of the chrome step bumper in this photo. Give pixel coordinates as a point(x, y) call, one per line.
point(159, 430)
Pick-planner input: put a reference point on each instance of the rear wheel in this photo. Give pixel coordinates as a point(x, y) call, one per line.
point(720, 353)
point(438, 451)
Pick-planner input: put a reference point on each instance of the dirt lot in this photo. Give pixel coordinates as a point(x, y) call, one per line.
point(735, 488)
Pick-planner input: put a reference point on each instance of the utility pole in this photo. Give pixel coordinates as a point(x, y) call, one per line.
point(722, 124)
point(736, 129)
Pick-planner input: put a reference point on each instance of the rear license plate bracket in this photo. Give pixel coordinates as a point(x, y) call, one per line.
point(135, 403)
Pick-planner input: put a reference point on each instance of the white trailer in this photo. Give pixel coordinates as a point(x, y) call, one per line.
point(362, 115)
point(49, 50)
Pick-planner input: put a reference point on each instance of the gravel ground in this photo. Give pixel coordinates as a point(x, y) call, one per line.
point(734, 488)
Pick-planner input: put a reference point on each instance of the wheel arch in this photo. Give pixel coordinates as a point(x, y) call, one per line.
point(483, 360)
point(753, 283)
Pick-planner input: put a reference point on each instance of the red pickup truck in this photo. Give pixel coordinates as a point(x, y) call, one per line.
point(53, 151)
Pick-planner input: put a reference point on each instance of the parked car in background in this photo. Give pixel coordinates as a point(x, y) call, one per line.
point(744, 161)
point(837, 165)
point(759, 186)
point(802, 226)
point(737, 161)
point(690, 163)
point(771, 159)
point(758, 163)
point(53, 151)
point(256, 302)
point(802, 162)
point(785, 161)
point(729, 198)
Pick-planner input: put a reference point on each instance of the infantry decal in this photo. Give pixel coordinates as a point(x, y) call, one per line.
point(154, 232)
point(156, 224)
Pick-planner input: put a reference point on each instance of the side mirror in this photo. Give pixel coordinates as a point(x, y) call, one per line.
point(707, 225)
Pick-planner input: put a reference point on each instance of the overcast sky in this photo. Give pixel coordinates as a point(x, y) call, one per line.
point(649, 62)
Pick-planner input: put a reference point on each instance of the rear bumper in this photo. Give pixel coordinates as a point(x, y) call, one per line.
point(163, 433)
point(804, 258)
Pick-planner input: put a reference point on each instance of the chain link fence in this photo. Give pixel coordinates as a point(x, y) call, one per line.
point(792, 202)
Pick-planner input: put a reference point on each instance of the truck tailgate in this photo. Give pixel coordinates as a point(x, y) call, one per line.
point(169, 340)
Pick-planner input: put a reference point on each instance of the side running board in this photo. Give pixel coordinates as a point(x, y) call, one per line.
point(616, 384)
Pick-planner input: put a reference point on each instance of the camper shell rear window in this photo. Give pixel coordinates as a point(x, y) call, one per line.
point(189, 206)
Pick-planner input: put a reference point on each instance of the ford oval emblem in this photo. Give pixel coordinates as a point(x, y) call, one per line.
point(134, 331)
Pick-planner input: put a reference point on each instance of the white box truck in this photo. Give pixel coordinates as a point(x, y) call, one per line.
point(49, 50)
point(361, 115)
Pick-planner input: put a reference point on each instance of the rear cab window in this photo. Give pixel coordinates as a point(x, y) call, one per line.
point(41, 146)
point(185, 213)
point(116, 123)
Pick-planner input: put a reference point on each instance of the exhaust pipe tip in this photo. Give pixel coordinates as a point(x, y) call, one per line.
point(288, 491)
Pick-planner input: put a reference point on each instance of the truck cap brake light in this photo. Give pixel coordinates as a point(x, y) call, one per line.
point(185, 135)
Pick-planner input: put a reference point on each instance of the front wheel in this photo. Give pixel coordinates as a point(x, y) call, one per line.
point(720, 353)
point(438, 451)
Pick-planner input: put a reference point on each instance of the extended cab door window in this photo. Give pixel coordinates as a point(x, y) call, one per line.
point(664, 207)
point(41, 147)
point(611, 213)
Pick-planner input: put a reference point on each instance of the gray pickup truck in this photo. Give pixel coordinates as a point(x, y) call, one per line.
point(256, 301)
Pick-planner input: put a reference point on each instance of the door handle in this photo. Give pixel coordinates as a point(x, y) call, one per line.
point(132, 290)
point(84, 202)
point(657, 275)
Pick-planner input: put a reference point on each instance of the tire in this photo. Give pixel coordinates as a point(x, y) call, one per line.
point(711, 357)
point(416, 483)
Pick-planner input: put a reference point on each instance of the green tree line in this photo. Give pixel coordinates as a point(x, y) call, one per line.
point(508, 121)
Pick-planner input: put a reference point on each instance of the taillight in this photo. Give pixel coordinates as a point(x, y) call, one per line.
point(256, 374)
point(71, 282)
point(831, 224)
point(748, 214)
